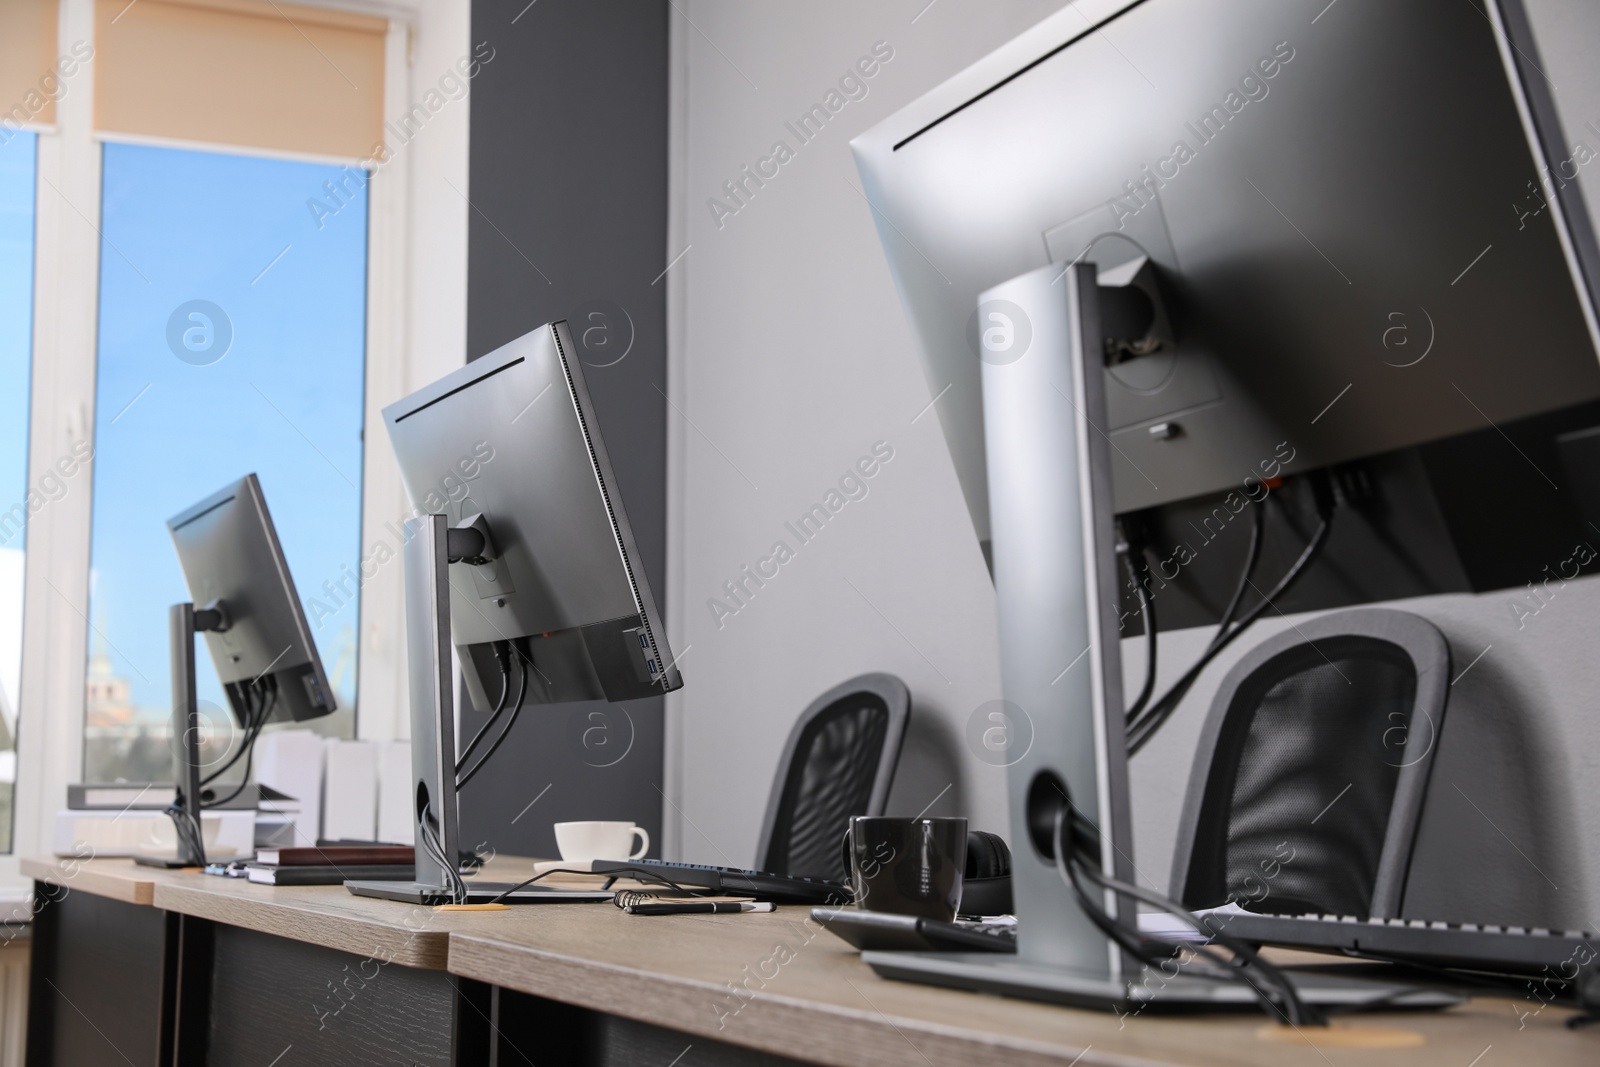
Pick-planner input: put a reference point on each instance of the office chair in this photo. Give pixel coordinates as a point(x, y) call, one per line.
point(1310, 774)
point(839, 761)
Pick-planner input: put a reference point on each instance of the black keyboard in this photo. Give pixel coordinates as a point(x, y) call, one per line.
point(1507, 950)
point(763, 885)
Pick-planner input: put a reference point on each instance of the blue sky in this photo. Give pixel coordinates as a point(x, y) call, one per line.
point(285, 401)
point(17, 167)
point(16, 313)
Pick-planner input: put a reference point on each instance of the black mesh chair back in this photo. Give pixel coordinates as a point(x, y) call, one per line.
point(1310, 775)
point(839, 762)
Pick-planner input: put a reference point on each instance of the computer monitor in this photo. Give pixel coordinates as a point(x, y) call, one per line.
point(1280, 186)
point(230, 555)
point(520, 554)
point(1339, 207)
point(510, 445)
point(243, 600)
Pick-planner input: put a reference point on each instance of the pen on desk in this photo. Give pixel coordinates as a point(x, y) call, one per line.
point(695, 907)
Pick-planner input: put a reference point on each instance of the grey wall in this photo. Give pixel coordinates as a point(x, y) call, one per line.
point(793, 359)
point(568, 220)
point(791, 356)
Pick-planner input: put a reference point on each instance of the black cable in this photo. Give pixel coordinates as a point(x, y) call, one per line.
point(1252, 556)
point(1263, 978)
point(188, 832)
point(429, 837)
point(1147, 614)
point(1307, 556)
point(457, 894)
point(636, 872)
point(1181, 687)
point(526, 667)
point(499, 705)
point(242, 781)
point(269, 701)
point(186, 826)
point(250, 716)
point(252, 730)
point(1139, 731)
point(1145, 726)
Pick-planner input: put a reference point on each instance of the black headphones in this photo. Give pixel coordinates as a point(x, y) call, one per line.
point(987, 855)
point(986, 888)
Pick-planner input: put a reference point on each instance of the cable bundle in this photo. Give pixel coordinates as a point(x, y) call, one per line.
point(1143, 721)
point(266, 699)
point(428, 834)
point(1277, 994)
point(260, 698)
point(502, 650)
point(190, 839)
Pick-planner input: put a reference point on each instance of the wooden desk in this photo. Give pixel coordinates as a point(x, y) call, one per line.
point(822, 1005)
point(176, 967)
point(318, 915)
point(179, 967)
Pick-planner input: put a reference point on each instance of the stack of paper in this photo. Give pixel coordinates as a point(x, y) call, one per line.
point(290, 761)
point(396, 825)
point(350, 790)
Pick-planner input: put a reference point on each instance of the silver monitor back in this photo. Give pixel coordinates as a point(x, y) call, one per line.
point(229, 552)
point(1324, 205)
point(512, 441)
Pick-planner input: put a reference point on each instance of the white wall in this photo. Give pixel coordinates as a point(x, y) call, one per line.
point(793, 357)
point(790, 356)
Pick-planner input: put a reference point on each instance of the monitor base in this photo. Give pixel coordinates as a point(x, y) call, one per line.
point(1008, 976)
point(477, 893)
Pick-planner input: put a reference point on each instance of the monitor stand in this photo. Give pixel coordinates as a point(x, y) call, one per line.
point(433, 741)
point(1055, 576)
point(184, 622)
point(1152, 990)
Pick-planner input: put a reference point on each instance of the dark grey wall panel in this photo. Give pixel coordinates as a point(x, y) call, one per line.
point(568, 220)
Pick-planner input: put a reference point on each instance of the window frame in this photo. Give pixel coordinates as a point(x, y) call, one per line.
point(56, 631)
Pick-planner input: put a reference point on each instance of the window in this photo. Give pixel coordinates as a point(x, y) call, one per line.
point(18, 155)
point(231, 340)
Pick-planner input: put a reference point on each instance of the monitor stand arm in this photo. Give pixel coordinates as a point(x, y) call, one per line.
point(431, 546)
point(185, 620)
point(433, 734)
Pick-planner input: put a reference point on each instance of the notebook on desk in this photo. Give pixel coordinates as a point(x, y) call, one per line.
point(326, 874)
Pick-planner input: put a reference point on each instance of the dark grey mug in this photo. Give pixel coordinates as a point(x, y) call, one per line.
point(907, 866)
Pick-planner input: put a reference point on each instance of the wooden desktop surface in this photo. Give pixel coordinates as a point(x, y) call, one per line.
point(804, 993)
point(811, 998)
point(410, 935)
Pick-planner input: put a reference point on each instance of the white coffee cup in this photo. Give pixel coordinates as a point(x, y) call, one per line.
point(580, 842)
